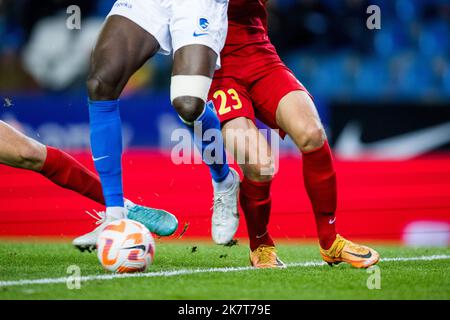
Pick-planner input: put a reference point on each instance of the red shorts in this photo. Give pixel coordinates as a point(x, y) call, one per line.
point(251, 83)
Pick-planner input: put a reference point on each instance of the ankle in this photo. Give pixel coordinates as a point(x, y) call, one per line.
point(225, 184)
point(261, 240)
point(116, 212)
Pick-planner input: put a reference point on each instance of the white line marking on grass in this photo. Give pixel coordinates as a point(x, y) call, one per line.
point(181, 272)
point(422, 258)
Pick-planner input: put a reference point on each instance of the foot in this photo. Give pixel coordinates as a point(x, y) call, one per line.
point(343, 250)
point(265, 257)
point(225, 218)
point(159, 222)
point(88, 241)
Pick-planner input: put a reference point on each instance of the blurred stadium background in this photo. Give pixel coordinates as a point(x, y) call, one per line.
point(383, 95)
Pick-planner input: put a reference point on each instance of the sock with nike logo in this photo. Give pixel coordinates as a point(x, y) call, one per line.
point(63, 170)
point(255, 200)
point(106, 145)
point(320, 184)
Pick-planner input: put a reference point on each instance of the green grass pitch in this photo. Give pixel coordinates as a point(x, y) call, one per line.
point(411, 279)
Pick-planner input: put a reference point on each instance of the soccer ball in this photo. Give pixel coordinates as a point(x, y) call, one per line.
point(125, 246)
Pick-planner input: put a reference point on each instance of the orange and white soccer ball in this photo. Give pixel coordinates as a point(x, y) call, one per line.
point(125, 246)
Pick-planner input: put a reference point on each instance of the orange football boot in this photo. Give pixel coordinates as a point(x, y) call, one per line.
point(265, 257)
point(343, 250)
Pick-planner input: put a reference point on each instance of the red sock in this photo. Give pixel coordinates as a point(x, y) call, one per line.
point(256, 202)
point(65, 171)
point(320, 183)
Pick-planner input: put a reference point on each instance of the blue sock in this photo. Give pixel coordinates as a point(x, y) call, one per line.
point(208, 119)
point(106, 145)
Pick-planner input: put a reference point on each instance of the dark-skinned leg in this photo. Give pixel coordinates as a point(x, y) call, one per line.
point(122, 48)
point(197, 63)
point(192, 60)
point(200, 60)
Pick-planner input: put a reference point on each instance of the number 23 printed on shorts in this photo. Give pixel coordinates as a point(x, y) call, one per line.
point(229, 100)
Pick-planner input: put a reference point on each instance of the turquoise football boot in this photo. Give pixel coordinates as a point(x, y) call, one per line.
point(159, 222)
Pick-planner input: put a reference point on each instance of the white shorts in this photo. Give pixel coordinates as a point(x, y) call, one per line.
point(178, 23)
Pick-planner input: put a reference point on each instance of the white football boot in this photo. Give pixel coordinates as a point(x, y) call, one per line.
point(88, 241)
point(158, 221)
point(225, 218)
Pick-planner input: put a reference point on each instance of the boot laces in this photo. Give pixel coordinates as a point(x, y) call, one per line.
point(265, 254)
point(99, 216)
point(355, 247)
point(219, 207)
point(350, 245)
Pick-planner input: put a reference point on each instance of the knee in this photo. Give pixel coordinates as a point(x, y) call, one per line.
point(99, 89)
point(106, 80)
point(188, 94)
point(30, 155)
point(261, 172)
point(312, 137)
point(188, 108)
point(94, 86)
